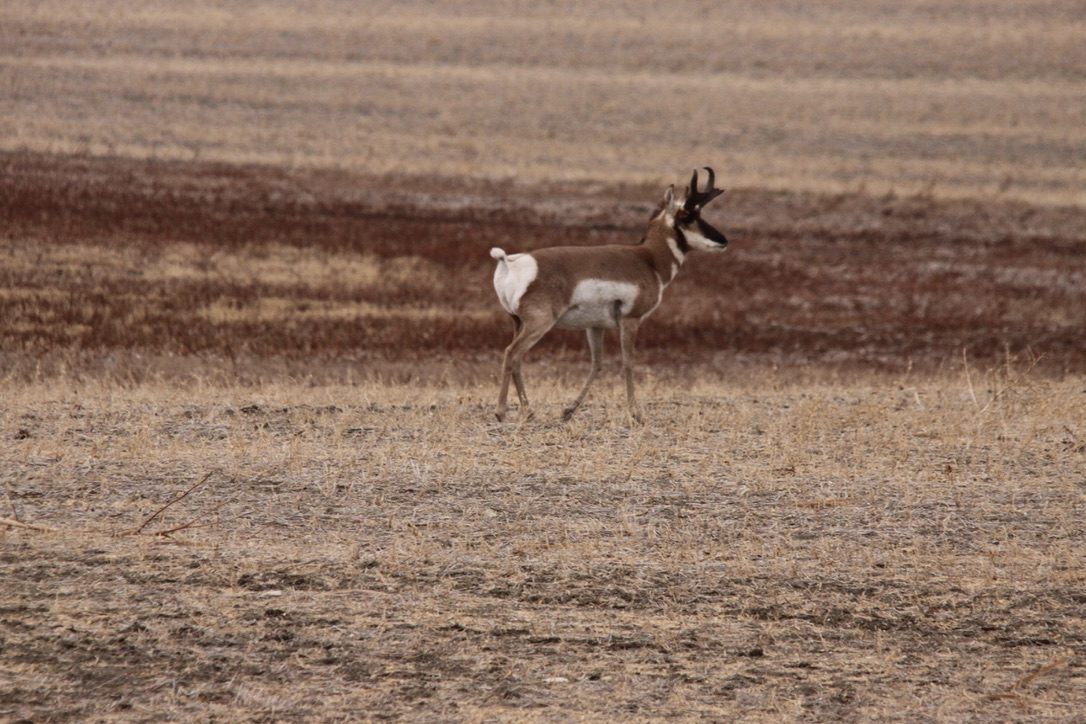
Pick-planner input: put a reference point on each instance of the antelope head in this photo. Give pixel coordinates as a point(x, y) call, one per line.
point(683, 214)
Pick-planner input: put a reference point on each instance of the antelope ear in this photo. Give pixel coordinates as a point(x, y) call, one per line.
point(670, 204)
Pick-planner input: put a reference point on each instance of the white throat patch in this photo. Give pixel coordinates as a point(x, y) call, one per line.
point(699, 242)
point(675, 250)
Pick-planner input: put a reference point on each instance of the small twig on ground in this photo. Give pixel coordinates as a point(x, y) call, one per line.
point(11, 502)
point(13, 523)
point(1028, 678)
point(182, 496)
point(1015, 693)
point(192, 523)
point(30, 526)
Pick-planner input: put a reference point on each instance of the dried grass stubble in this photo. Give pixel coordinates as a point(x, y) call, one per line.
point(758, 547)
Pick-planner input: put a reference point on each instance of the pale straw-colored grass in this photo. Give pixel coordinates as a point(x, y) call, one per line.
point(772, 545)
point(982, 100)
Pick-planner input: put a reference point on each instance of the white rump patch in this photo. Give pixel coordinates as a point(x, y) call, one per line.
point(512, 277)
point(594, 304)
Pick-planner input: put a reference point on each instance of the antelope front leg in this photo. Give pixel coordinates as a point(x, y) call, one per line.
point(595, 346)
point(628, 338)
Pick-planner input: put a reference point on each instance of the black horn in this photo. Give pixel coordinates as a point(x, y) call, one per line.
point(697, 198)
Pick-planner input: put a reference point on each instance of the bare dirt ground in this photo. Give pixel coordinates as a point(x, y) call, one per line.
point(181, 260)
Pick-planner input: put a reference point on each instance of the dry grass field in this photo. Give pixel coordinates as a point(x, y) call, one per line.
point(249, 470)
point(981, 97)
point(766, 548)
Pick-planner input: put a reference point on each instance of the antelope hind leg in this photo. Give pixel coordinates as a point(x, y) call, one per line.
point(528, 332)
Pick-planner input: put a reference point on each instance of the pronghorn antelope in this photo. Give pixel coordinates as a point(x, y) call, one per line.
point(593, 288)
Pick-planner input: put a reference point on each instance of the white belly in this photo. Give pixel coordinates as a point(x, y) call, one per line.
point(598, 303)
